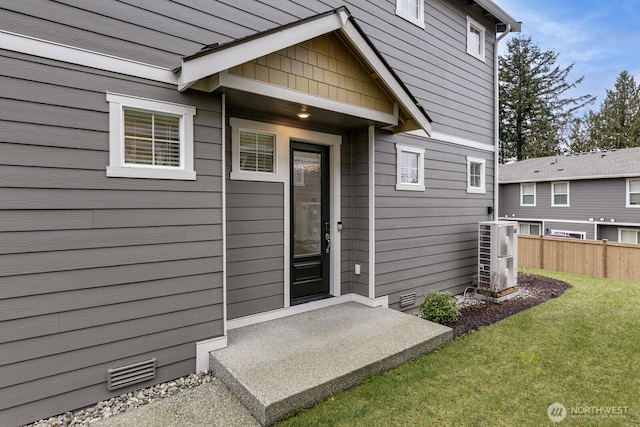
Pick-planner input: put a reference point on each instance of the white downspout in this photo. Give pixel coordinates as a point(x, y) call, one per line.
point(496, 125)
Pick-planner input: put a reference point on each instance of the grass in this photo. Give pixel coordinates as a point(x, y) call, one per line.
point(581, 349)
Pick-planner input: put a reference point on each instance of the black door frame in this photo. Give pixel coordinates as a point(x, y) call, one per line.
point(317, 288)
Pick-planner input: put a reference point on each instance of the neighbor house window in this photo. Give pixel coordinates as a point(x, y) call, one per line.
point(569, 234)
point(475, 175)
point(475, 39)
point(528, 194)
point(529, 229)
point(149, 138)
point(559, 194)
point(633, 193)
point(409, 168)
point(411, 10)
point(629, 236)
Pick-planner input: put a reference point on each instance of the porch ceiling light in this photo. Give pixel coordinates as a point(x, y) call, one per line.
point(303, 115)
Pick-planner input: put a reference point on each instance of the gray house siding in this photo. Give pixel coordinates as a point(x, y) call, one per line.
point(590, 201)
point(459, 101)
point(96, 272)
point(360, 214)
point(427, 240)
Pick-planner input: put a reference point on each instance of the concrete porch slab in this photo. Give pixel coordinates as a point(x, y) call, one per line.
point(278, 367)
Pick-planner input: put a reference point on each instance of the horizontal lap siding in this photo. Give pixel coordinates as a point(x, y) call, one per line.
point(96, 272)
point(361, 211)
point(346, 212)
point(255, 245)
point(427, 240)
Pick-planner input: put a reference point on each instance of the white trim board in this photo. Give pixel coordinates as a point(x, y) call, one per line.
point(303, 308)
point(88, 58)
point(570, 221)
point(452, 139)
point(203, 348)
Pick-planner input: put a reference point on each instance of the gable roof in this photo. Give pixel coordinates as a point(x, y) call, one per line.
point(594, 165)
point(218, 58)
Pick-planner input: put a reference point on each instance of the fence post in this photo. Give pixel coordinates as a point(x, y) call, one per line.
point(541, 252)
point(605, 260)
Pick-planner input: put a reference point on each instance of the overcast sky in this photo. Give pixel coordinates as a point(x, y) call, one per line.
point(602, 37)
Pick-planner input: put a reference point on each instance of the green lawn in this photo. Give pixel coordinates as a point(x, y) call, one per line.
point(581, 349)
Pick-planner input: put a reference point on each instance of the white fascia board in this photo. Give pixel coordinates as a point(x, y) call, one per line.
point(499, 13)
point(452, 139)
point(385, 75)
point(208, 64)
point(78, 56)
point(233, 81)
point(573, 178)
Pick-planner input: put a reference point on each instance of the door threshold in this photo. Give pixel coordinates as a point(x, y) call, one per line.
point(304, 300)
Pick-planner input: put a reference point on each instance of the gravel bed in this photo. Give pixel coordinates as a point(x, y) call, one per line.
point(123, 403)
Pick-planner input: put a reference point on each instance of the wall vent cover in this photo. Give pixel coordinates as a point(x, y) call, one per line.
point(131, 374)
point(407, 299)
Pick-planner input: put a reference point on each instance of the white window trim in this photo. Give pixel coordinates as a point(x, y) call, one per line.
point(583, 234)
point(633, 230)
point(483, 36)
point(522, 194)
point(483, 176)
point(628, 204)
point(419, 186)
point(117, 166)
point(281, 156)
point(553, 203)
point(404, 15)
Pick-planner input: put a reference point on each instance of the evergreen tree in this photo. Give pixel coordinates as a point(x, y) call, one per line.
point(617, 123)
point(535, 112)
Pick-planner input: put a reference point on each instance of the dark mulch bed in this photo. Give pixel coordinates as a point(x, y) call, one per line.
point(536, 290)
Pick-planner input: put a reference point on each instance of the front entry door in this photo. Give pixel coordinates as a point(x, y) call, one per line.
point(310, 228)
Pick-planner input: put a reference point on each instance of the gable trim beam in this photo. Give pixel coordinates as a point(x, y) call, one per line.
point(88, 58)
point(202, 65)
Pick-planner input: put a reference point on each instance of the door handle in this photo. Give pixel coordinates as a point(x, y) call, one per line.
point(327, 237)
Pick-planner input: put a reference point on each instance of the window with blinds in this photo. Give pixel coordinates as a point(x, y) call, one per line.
point(475, 39)
point(257, 151)
point(151, 139)
point(559, 194)
point(409, 167)
point(476, 175)
point(528, 194)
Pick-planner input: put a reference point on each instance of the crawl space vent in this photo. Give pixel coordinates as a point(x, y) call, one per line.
point(407, 299)
point(131, 374)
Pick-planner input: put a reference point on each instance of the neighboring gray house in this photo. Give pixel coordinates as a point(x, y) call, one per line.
point(171, 170)
point(590, 196)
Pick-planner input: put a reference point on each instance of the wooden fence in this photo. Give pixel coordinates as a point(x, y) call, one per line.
point(598, 258)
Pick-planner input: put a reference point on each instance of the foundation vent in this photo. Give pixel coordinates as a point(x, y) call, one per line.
point(131, 374)
point(407, 299)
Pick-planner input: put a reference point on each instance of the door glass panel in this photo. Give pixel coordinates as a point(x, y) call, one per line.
point(307, 196)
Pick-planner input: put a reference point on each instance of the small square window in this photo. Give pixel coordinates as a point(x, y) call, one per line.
point(257, 151)
point(410, 168)
point(411, 10)
point(559, 194)
point(149, 138)
point(475, 175)
point(528, 194)
point(475, 39)
point(633, 193)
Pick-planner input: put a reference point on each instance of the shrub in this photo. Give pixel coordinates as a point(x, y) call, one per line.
point(439, 307)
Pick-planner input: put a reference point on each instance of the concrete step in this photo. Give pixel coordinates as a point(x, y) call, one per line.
point(278, 367)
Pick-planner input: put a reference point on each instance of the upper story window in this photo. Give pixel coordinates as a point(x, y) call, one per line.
point(559, 194)
point(528, 194)
point(529, 229)
point(150, 139)
point(409, 168)
point(475, 39)
point(411, 10)
point(633, 193)
point(476, 175)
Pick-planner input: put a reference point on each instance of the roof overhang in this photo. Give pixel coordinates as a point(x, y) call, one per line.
point(499, 15)
point(206, 70)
